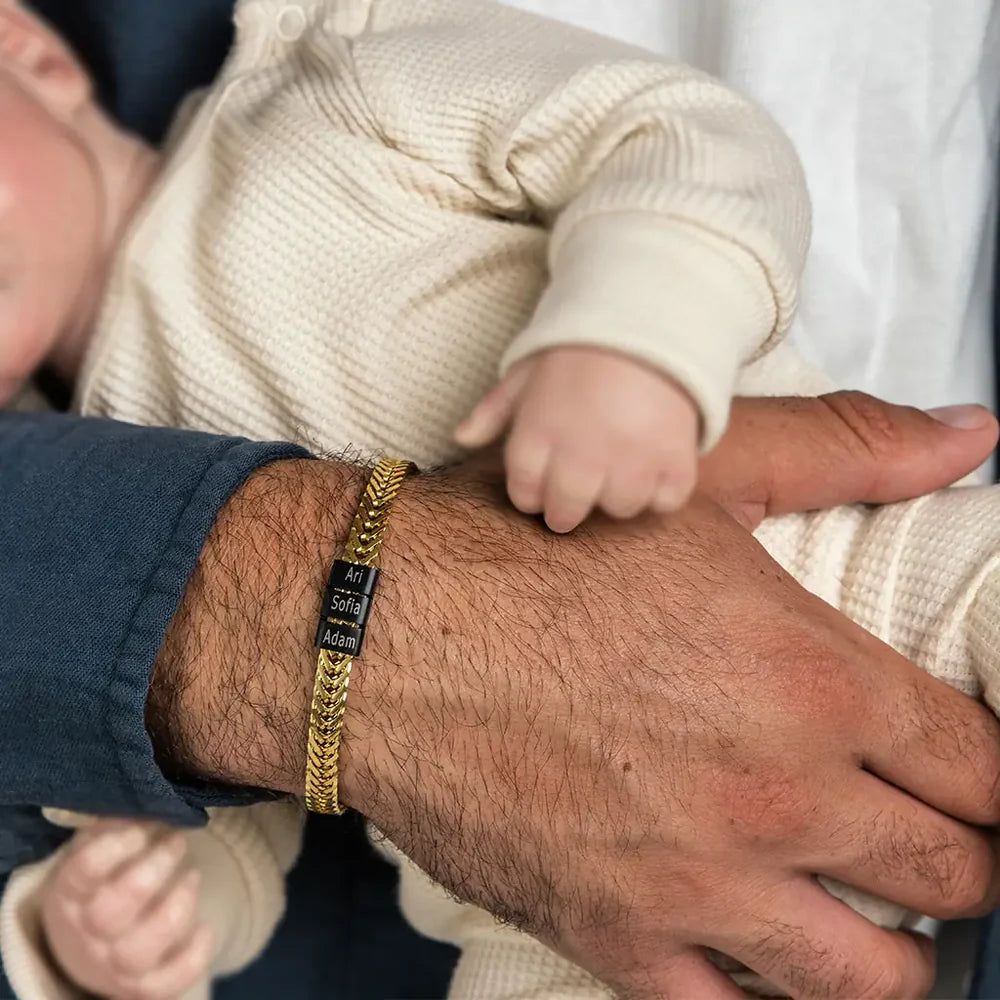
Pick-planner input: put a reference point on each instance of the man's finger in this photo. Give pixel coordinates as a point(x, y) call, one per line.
point(689, 974)
point(794, 454)
point(897, 848)
point(692, 975)
point(930, 740)
point(819, 948)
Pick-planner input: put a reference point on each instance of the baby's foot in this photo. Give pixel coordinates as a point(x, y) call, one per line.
point(120, 913)
point(590, 428)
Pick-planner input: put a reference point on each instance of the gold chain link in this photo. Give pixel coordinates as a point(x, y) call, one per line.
point(333, 670)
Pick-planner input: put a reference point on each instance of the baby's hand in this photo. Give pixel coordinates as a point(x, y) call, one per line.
point(119, 913)
point(590, 428)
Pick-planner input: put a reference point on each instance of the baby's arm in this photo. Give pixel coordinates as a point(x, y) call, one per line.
point(677, 209)
point(137, 909)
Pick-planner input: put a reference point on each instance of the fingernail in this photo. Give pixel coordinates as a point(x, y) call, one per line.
point(963, 418)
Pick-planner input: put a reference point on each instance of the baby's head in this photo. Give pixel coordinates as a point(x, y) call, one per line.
point(68, 181)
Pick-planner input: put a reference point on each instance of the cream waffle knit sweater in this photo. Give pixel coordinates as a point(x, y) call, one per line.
point(383, 203)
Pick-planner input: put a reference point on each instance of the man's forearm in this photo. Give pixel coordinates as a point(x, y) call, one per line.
point(232, 686)
point(101, 526)
point(231, 690)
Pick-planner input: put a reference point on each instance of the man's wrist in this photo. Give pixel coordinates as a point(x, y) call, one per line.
point(229, 700)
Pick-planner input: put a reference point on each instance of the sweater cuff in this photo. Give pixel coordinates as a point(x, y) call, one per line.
point(29, 967)
point(666, 292)
point(244, 856)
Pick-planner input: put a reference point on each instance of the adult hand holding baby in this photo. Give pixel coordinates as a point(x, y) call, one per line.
point(638, 741)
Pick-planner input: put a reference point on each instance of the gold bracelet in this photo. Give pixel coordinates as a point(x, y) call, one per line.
point(346, 604)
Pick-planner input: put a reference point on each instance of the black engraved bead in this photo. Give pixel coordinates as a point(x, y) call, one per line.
point(354, 577)
point(339, 638)
point(346, 607)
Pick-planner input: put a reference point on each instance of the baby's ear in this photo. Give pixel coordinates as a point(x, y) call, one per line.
point(41, 60)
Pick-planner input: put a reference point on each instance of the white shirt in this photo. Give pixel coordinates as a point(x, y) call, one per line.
point(893, 106)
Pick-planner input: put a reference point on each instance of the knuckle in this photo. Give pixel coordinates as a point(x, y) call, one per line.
point(867, 420)
point(956, 730)
point(967, 882)
point(97, 920)
point(621, 506)
point(808, 967)
point(898, 973)
point(522, 447)
point(521, 472)
point(876, 976)
point(884, 982)
point(529, 439)
point(818, 679)
point(979, 748)
point(138, 885)
point(767, 806)
point(988, 799)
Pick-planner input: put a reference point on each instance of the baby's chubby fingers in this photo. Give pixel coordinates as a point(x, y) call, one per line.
point(162, 931)
point(493, 413)
point(96, 853)
point(572, 486)
point(676, 483)
point(628, 488)
point(526, 458)
point(118, 903)
point(178, 973)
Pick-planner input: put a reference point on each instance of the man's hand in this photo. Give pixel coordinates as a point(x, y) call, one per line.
point(636, 742)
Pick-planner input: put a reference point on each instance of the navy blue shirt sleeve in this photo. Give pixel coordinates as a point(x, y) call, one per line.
point(101, 525)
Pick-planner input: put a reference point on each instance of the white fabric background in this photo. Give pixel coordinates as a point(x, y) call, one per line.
point(893, 106)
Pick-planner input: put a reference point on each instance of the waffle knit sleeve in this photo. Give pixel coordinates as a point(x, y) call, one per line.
point(678, 210)
point(921, 576)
